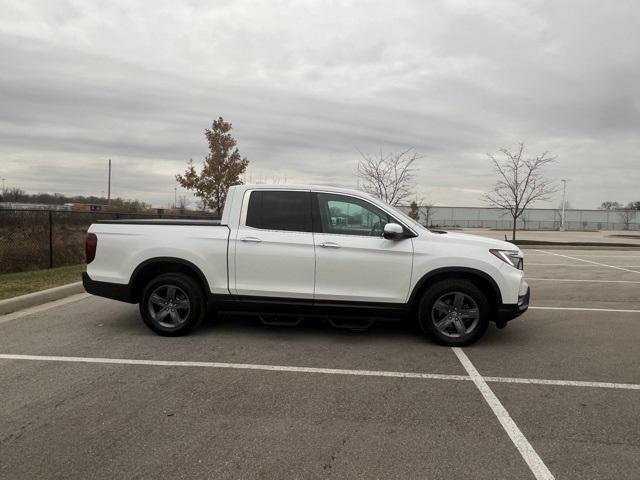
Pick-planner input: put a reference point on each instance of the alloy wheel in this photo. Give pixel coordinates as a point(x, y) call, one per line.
point(169, 306)
point(455, 314)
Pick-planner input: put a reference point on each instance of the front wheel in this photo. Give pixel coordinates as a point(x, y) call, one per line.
point(172, 304)
point(454, 313)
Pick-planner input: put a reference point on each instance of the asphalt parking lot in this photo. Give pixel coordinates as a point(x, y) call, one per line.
point(87, 391)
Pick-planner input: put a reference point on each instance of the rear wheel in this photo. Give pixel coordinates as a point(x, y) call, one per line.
point(172, 304)
point(454, 313)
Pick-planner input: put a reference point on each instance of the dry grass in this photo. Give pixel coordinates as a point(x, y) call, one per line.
point(24, 241)
point(14, 284)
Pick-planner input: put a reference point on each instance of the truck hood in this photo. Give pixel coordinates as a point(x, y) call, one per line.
point(467, 239)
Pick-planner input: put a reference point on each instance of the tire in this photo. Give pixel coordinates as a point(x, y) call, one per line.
point(172, 304)
point(454, 313)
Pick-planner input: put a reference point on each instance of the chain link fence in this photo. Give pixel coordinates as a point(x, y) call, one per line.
point(38, 239)
point(531, 219)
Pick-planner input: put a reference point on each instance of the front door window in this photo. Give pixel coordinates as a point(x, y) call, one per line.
point(344, 215)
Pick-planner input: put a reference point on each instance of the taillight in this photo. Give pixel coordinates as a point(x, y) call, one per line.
point(90, 246)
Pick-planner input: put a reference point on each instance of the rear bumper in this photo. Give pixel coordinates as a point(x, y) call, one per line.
point(115, 291)
point(508, 312)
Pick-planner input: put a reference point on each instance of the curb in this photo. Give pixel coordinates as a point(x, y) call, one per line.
point(38, 298)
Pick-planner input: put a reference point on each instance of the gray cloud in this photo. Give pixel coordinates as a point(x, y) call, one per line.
point(307, 84)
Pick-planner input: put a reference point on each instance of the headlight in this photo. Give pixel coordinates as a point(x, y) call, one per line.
point(512, 257)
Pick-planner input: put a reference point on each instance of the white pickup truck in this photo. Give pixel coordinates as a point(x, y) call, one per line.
point(291, 251)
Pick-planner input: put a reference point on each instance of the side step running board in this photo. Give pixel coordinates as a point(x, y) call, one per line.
point(280, 321)
point(346, 323)
point(351, 323)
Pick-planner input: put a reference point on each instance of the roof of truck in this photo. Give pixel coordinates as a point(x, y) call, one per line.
point(325, 188)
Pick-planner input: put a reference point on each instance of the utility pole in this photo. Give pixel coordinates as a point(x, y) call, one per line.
point(109, 185)
point(3, 199)
point(175, 197)
point(564, 196)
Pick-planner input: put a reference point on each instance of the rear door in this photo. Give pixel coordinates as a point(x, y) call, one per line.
point(353, 260)
point(274, 250)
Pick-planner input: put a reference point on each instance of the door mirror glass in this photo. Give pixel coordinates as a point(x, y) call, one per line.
point(393, 231)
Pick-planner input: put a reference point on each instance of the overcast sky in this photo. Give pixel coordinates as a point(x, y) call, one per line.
point(308, 83)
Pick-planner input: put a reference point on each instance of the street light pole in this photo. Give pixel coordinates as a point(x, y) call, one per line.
point(564, 196)
point(109, 185)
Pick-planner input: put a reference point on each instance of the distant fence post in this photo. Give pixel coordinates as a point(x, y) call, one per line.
point(50, 239)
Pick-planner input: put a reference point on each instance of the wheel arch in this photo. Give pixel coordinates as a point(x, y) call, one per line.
point(479, 278)
point(153, 267)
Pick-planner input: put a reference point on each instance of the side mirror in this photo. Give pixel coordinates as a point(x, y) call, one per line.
point(392, 231)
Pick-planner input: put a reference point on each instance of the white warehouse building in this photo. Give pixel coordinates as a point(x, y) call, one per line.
point(531, 219)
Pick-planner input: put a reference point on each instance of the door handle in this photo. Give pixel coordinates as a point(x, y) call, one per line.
point(250, 239)
point(329, 245)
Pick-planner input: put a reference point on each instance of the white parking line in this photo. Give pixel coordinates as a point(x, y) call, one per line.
point(582, 280)
point(572, 265)
point(582, 309)
point(236, 366)
point(530, 456)
point(563, 383)
point(42, 308)
point(329, 371)
point(545, 252)
point(589, 261)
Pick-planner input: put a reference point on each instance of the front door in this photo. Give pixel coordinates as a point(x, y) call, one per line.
point(353, 260)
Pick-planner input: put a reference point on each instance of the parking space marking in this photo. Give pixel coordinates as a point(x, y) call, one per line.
point(572, 265)
point(530, 456)
point(584, 309)
point(236, 366)
point(42, 308)
point(329, 371)
point(545, 252)
point(589, 261)
point(582, 280)
point(563, 383)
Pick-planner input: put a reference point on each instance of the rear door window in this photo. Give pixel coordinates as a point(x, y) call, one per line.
point(279, 210)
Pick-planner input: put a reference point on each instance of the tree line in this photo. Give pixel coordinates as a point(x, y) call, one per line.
point(17, 195)
point(611, 205)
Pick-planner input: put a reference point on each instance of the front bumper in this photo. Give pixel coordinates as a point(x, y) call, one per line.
point(508, 312)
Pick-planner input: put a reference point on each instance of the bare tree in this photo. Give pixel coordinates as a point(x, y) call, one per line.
point(389, 177)
point(520, 182)
point(420, 205)
point(609, 205)
point(183, 202)
point(626, 216)
point(428, 210)
point(525, 219)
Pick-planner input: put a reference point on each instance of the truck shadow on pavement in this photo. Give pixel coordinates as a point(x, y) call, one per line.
point(237, 325)
point(404, 329)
